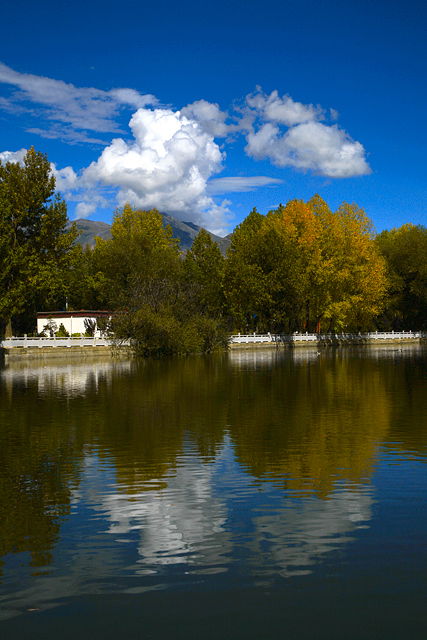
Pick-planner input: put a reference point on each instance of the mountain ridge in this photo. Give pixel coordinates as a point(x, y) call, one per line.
point(185, 232)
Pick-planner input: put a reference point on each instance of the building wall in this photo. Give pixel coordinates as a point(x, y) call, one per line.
point(71, 324)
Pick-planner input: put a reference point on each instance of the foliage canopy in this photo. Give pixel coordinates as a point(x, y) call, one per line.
point(405, 251)
point(303, 265)
point(35, 249)
point(158, 308)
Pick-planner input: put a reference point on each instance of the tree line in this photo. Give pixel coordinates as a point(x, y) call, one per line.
point(301, 267)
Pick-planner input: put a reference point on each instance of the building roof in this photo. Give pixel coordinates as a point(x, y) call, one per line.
point(83, 313)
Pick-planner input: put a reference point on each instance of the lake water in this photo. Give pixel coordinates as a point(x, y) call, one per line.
point(255, 494)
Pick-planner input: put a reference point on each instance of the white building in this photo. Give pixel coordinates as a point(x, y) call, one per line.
point(73, 321)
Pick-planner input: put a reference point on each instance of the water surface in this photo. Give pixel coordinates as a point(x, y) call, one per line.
point(255, 494)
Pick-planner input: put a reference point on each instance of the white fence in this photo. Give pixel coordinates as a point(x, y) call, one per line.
point(26, 342)
point(82, 341)
point(316, 337)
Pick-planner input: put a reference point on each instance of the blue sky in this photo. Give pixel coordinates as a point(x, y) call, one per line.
point(207, 110)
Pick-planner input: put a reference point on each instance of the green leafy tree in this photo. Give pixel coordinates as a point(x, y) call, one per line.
point(35, 248)
point(88, 284)
point(405, 252)
point(141, 257)
point(245, 283)
point(204, 267)
point(156, 308)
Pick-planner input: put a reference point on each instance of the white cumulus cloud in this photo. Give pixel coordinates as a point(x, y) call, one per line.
point(66, 178)
point(166, 165)
point(307, 143)
point(209, 116)
point(324, 150)
point(282, 110)
point(12, 156)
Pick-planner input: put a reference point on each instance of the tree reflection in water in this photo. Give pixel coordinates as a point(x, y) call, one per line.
point(199, 461)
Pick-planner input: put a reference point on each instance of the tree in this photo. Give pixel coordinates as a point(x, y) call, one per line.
point(204, 268)
point(245, 283)
point(156, 307)
point(297, 275)
point(88, 284)
point(405, 252)
point(302, 265)
point(141, 255)
point(35, 248)
point(355, 268)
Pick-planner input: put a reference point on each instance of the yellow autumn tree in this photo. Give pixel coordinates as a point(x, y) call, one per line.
point(355, 269)
point(306, 267)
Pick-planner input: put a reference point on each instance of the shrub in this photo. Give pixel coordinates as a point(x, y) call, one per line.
point(62, 332)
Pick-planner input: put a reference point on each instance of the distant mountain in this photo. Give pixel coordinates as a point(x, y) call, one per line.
point(185, 232)
point(89, 229)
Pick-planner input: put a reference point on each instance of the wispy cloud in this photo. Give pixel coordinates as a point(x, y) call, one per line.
point(84, 109)
point(237, 184)
point(66, 134)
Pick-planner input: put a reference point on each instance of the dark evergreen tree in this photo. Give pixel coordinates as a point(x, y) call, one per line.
point(35, 248)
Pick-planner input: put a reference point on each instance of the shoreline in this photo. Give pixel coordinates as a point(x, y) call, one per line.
point(16, 354)
point(324, 343)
